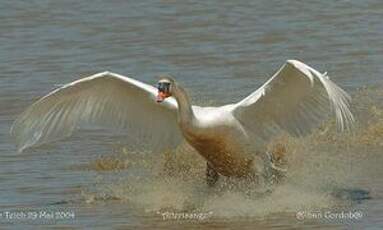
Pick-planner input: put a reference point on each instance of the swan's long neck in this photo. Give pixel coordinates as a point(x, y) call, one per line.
point(185, 112)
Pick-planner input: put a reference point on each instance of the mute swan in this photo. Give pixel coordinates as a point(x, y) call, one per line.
point(295, 100)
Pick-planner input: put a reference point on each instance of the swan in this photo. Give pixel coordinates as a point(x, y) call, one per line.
point(294, 100)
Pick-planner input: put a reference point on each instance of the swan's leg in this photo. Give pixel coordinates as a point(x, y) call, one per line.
point(211, 175)
point(273, 173)
point(273, 164)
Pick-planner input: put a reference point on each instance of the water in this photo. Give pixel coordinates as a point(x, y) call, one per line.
point(220, 51)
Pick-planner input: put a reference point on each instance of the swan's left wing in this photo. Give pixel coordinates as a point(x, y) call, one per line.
point(106, 100)
point(296, 99)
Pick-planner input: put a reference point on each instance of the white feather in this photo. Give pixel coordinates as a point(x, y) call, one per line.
point(296, 99)
point(106, 99)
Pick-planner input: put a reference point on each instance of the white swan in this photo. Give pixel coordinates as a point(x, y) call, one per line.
point(295, 100)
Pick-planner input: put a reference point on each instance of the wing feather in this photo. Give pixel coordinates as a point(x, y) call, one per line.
point(106, 99)
point(296, 99)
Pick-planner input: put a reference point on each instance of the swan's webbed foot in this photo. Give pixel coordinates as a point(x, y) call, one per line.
point(211, 175)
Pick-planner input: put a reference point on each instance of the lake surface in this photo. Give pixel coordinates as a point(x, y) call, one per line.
point(220, 51)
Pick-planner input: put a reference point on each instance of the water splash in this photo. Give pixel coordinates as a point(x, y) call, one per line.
point(324, 171)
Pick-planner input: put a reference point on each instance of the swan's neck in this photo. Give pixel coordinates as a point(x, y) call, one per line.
point(185, 112)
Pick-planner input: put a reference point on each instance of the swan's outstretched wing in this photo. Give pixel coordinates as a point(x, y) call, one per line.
point(105, 99)
point(296, 99)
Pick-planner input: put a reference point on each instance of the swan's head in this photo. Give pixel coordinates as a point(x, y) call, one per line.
point(165, 88)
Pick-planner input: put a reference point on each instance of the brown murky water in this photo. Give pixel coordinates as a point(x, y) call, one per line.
point(220, 51)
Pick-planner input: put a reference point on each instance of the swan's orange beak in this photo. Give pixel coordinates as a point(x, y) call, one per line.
point(161, 96)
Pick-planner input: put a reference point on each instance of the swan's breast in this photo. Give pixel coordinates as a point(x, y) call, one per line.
point(226, 156)
point(216, 137)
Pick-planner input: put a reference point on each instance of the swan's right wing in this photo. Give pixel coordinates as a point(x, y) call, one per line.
point(105, 99)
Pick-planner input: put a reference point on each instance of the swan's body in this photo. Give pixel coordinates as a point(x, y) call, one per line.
point(217, 136)
point(295, 100)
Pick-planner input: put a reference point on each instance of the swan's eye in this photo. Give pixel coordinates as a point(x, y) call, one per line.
point(163, 87)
